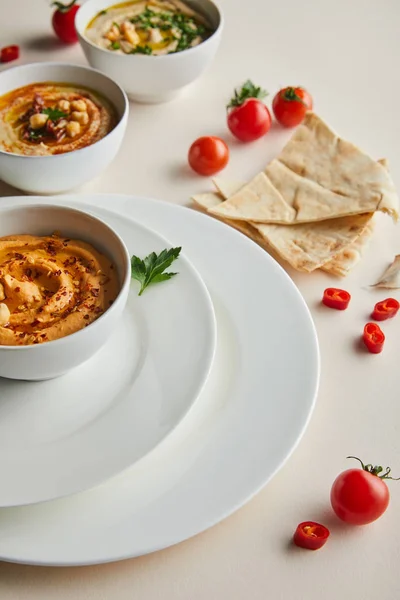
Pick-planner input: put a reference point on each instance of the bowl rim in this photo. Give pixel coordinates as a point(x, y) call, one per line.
point(175, 56)
point(125, 283)
point(121, 119)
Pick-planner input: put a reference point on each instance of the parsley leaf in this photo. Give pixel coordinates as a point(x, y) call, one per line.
point(115, 45)
point(35, 134)
point(248, 90)
point(54, 113)
point(142, 50)
point(151, 269)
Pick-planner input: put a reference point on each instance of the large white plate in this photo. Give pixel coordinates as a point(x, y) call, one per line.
point(249, 418)
point(69, 434)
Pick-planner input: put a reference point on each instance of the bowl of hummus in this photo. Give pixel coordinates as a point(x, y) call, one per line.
point(153, 48)
point(60, 125)
point(64, 283)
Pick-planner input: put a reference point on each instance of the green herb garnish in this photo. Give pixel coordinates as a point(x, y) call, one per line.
point(54, 113)
point(35, 135)
point(115, 45)
point(142, 50)
point(187, 29)
point(151, 269)
point(102, 12)
point(248, 90)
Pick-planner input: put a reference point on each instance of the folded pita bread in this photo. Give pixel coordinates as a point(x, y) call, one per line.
point(318, 176)
point(306, 246)
point(340, 265)
point(346, 260)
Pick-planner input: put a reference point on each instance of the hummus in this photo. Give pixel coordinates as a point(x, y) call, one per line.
point(52, 118)
point(152, 27)
point(51, 287)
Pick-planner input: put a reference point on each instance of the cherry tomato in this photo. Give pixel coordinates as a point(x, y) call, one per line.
point(9, 53)
point(290, 106)
point(248, 117)
point(63, 21)
point(208, 155)
point(360, 496)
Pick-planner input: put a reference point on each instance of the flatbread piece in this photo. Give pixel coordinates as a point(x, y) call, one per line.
point(317, 176)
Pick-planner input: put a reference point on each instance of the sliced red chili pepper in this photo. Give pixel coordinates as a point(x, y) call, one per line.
point(9, 53)
point(373, 338)
point(310, 535)
point(336, 298)
point(386, 309)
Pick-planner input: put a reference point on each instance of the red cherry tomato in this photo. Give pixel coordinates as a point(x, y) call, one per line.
point(63, 21)
point(248, 117)
point(208, 155)
point(9, 53)
point(290, 106)
point(360, 496)
point(311, 535)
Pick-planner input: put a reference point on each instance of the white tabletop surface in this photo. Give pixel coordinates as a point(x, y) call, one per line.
point(346, 54)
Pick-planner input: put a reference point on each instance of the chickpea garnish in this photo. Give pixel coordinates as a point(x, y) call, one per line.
point(4, 314)
point(73, 129)
point(64, 105)
point(130, 34)
point(2, 293)
point(38, 121)
point(113, 35)
point(79, 105)
point(80, 117)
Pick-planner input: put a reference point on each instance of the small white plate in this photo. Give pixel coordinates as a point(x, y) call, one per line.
point(249, 418)
point(66, 435)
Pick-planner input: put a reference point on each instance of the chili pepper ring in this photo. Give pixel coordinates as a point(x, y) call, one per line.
point(336, 298)
point(311, 535)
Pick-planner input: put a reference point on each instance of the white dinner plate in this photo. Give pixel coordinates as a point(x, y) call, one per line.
point(249, 418)
point(69, 434)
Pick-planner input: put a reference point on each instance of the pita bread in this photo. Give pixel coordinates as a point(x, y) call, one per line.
point(212, 199)
point(391, 277)
point(305, 247)
point(318, 176)
point(346, 260)
point(339, 265)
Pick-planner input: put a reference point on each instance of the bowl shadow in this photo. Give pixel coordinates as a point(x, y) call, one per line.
point(9, 190)
point(45, 42)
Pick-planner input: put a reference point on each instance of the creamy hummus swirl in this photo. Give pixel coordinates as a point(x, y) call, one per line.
point(52, 287)
point(152, 27)
point(64, 128)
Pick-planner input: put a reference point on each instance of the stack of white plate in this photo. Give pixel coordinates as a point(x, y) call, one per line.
point(198, 398)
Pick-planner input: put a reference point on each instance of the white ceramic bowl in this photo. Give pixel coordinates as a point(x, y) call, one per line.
point(63, 172)
point(151, 79)
point(52, 359)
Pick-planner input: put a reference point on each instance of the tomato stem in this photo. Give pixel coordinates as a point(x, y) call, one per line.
point(290, 95)
point(64, 8)
point(376, 470)
point(248, 90)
